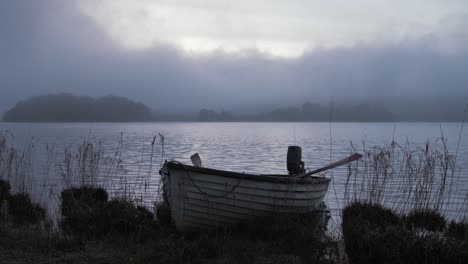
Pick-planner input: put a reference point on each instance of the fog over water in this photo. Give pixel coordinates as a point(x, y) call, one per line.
point(409, 57)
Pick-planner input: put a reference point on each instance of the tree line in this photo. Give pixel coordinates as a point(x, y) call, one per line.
point(66, 107)
point(309, 112)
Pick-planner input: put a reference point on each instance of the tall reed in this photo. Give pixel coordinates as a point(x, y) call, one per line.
point(406, 177)
point(45, 175)
point(16, 166)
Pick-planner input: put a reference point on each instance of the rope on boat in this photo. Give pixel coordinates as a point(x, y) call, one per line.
point(205, 194)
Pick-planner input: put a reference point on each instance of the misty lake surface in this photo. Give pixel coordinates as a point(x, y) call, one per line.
point(244, 147)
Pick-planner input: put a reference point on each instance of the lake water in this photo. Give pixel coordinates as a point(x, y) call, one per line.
point(244, 147)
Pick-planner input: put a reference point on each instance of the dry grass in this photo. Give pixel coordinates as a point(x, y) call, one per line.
point(412, 181)
point(400, 206)
point(374, 234)
point(406, 178)
point(114, 227)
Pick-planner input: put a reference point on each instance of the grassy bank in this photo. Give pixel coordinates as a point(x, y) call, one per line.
point(374, 234)
point(398, 201)
point(401, 206)
point(94, 229)
point(93, 223)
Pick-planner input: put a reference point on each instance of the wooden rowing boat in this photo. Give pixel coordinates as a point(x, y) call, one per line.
point(209, 198)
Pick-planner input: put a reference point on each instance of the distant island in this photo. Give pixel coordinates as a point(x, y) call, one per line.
point(66, 107)
point(308, 112)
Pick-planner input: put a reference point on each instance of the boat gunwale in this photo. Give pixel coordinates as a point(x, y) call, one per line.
point(268, 190)
point(273, 178)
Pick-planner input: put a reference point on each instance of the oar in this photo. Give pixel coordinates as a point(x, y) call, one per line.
point(349, 159)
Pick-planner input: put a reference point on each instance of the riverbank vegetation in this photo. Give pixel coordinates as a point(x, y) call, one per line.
point(405, 206)
point(402, 205)
point(94, 225)
point(93, 229)
point(375, 234)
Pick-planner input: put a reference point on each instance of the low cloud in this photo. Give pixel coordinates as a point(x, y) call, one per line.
point(50, 47)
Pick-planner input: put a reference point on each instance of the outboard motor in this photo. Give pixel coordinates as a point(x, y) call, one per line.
point(294, 161)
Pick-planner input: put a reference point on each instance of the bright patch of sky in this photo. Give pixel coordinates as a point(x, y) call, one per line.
point(276, 27)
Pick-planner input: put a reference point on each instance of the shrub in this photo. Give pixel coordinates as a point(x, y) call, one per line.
point(163, 214)
point(458, 231)
point(273, 239)
point(88, 214)
point(84, 198)
point(374, 234)
point(4, 190)
point(83, 211)
point(300, 236)
point(128, 220)
point(427, 219)
point(4, 196)
point(23, 211)
point(372, 215)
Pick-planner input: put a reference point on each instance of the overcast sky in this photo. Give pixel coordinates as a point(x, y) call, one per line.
point(181, 55)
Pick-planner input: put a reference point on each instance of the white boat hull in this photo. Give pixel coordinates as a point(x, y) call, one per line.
point(205, 198)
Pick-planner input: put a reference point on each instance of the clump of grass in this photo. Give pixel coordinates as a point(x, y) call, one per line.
point(398, 199)
point(83, 211)
point(23, 211)
point(82, 198)
point(374, 215)
point(298, 237)
point(404, 177)
point(371, 234)
point(427, 219)
point(4, 190)
point(371, 238)
point(87, 213)
point(128, 220)
point(274, 239)
point(163, 214)
point(458, 230)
